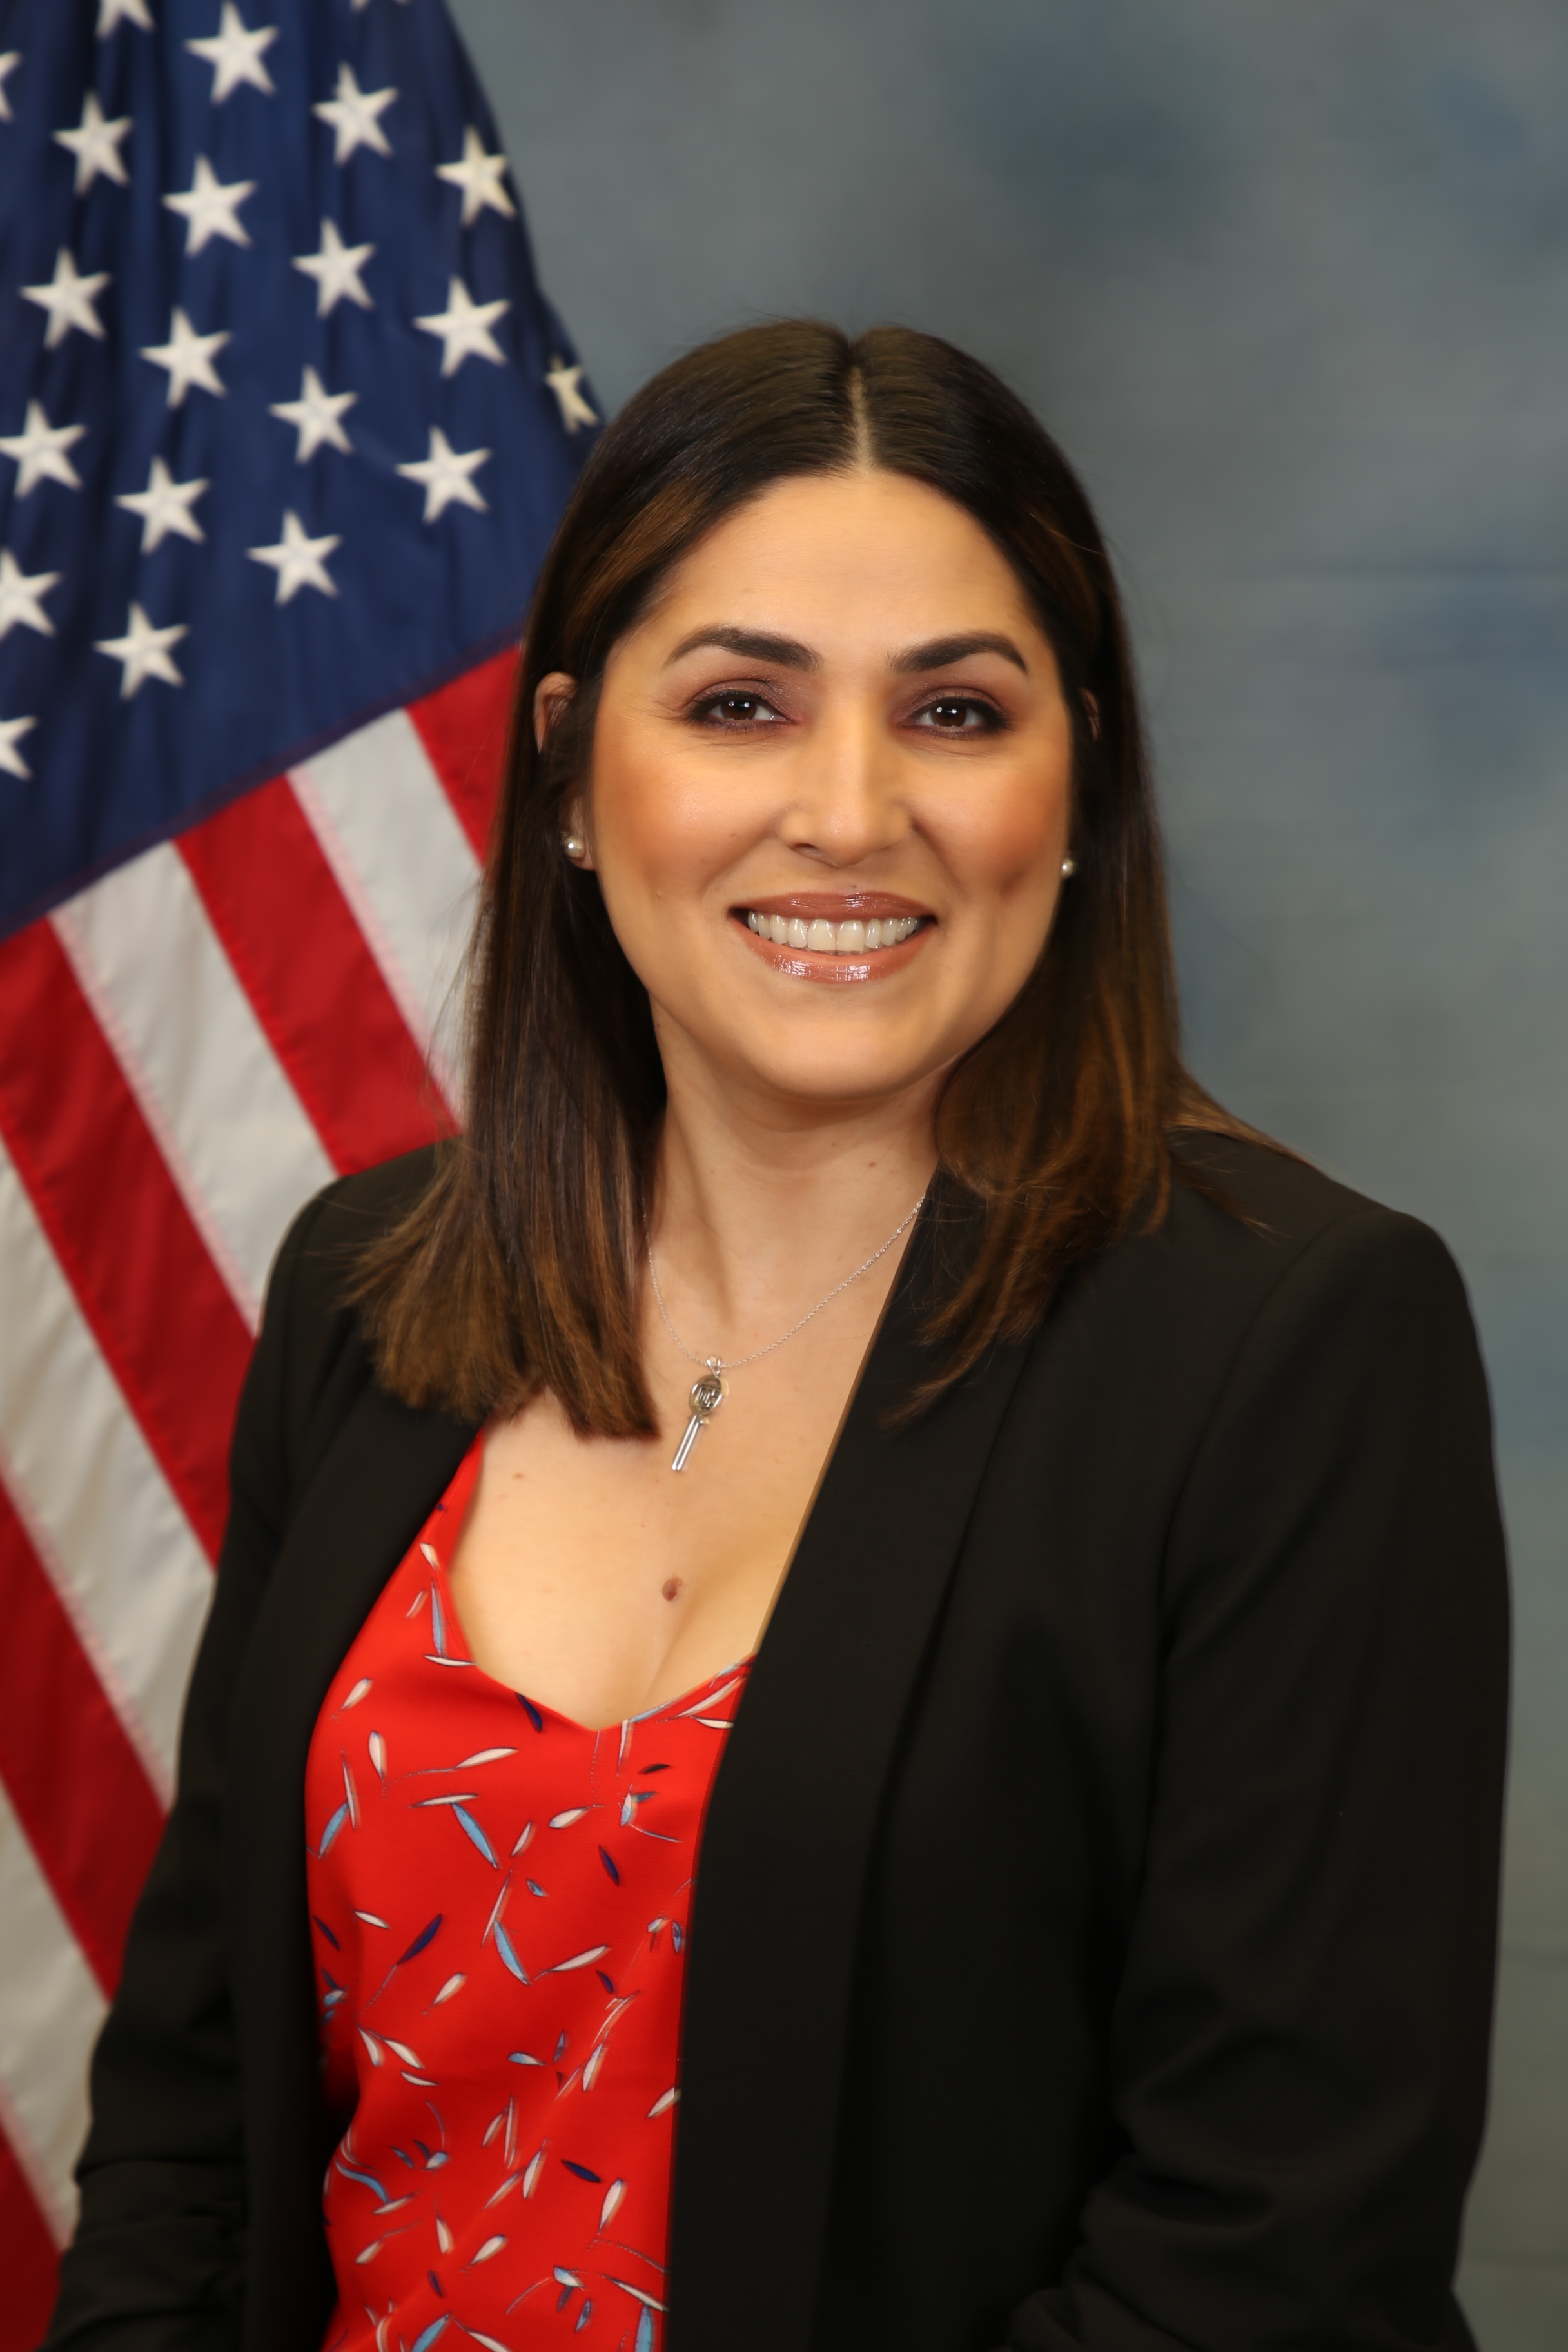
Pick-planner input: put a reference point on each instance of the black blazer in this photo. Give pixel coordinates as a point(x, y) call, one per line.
point(1094, 1939)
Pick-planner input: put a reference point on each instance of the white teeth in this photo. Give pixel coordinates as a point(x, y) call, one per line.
point(824, 937)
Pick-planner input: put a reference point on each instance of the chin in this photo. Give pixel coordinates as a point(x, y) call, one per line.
point(834, 1071)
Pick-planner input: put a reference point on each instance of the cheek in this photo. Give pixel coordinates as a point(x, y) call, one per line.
point(657, 829)
point(1009, 834)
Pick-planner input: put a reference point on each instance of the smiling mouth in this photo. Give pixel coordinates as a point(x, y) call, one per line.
point(847, 937)
point(818, 936)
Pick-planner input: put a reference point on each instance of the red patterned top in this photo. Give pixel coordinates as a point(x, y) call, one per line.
point(499, 1899)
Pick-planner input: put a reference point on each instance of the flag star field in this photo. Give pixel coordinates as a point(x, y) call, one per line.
point(285, 421)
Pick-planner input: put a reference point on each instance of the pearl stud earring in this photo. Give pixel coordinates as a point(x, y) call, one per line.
point(574, 846)
point(1069, 865)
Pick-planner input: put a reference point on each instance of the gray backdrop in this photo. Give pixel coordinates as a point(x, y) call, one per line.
point(1290, 284)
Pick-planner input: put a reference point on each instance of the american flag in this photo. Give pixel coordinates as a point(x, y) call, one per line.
point(285, 424)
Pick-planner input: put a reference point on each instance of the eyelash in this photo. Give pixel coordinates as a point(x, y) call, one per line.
point(703, 713)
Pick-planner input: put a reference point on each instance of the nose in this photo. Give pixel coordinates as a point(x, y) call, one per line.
point(846, 803)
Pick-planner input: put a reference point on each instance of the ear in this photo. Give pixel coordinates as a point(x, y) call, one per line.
point(551, 696)
point(1091, 708)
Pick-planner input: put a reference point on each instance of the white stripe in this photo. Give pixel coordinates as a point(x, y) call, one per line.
point(48, 2020)
point(405, 865)
point(229, 1126)
point(98, 1510)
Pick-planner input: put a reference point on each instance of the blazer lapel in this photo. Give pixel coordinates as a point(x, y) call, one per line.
point(789, 1836)
point(376, 1484)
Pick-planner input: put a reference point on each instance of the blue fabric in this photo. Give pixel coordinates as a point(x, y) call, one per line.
point(264, 680)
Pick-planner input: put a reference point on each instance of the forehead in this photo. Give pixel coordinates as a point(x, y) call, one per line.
point(862, 553)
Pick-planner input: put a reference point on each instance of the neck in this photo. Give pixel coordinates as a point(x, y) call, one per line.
point(762, 1205)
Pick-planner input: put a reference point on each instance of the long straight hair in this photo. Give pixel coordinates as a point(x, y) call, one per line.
point(520, 1266)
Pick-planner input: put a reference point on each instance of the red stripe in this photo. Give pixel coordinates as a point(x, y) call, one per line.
point(463, 728)
point(75, 1780)
point(31, 2268)
point(170, 1332)
point(312, 982)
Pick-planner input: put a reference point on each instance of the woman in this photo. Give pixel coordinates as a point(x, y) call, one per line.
point(1078, 1540)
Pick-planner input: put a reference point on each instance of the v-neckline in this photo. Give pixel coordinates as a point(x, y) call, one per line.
point(437, 1565)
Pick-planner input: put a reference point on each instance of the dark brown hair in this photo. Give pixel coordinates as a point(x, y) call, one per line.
point(519, 1267)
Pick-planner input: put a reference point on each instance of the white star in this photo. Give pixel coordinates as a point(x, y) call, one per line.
point(446, 475)
point(210, 209)
point(464, 328)
point(68, 298)
point(188, 358)
point(164, 506)
point(40, 450)
point(10, 759)
point(315, 415)
point(235, 55)
point(21, 597)
point(299, 562)
point(563, 382)
point(9, 61)
point(478, 176)
point(336, 270)
point(96, 146)
point(144, 651)
point(128, 12)
point(354, 115)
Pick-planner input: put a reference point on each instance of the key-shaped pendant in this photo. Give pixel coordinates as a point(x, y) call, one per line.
point(707, 1396)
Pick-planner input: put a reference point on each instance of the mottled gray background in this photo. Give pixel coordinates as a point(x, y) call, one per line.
point(1290, 283)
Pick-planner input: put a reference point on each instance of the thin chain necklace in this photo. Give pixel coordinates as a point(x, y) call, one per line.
point(708, 1393)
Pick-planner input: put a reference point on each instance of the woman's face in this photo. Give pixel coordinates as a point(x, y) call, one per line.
point(830, 791)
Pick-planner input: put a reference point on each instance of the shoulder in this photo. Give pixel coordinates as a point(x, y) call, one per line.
point(346, 1217)
point(318, 1255)
point(1245, 1217)
point(1275, 1190)
point(1262, 1273)
point(1315, 1307)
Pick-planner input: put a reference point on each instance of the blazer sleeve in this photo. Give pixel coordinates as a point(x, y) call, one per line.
point(1298, 2046)
point(157, 2260)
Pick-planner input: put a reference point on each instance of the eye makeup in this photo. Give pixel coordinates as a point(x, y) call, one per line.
point(740, 710)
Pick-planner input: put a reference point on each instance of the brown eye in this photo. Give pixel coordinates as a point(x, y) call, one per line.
point(736, 708)
point(959, 714)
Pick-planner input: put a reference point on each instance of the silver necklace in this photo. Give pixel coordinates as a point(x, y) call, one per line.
point(708, 1393)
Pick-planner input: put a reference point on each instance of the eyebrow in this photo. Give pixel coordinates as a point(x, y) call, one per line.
point(941, 651)
point(788, 652)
